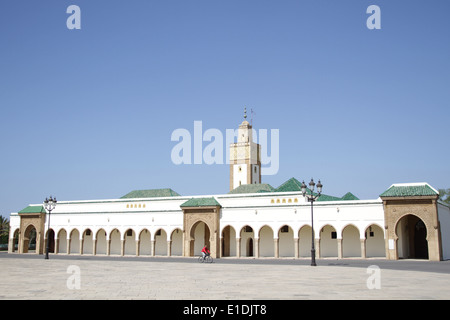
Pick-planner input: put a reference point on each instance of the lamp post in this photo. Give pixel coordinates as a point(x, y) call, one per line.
point(49, 205)
point(311, 198)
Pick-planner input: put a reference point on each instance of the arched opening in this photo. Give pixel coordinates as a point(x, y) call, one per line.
point(75, 241)
point(62, 241)
point(228, 242)
point(15, 244)
point(266, 248)
point(304, 237)
point(412, 238)
point(375, 244)
point(115, 243)
point(145, 243)
point(200, 235)
point(161, 243)
point(328, 242)
point(29, 240)
point(130, 242)
point(250, 247)
point(51, 244)
point(177, 242)
point(247, 236)
point(100, 242)
point(351, 245)
point(88, 241)
point(286, 241)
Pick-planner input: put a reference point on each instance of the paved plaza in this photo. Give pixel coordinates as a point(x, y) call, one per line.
point(72, 277)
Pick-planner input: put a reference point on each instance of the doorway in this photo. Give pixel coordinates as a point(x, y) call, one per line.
point(200, 237)
point(412, 238)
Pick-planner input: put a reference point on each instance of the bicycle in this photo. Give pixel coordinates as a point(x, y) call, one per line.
point(207, 259)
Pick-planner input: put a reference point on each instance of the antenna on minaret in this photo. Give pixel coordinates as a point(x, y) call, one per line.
point(251, 116)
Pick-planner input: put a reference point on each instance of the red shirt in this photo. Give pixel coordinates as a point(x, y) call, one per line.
point(205, 250)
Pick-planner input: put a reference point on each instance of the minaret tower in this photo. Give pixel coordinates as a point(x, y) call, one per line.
point(245, 157)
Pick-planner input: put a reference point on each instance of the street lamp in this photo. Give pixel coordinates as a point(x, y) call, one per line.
point(311, 198)
point(49, 205)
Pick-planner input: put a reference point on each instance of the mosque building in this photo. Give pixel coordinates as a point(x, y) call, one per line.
point(252, 220)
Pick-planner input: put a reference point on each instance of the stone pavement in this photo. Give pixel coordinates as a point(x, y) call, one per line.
point(24, 278)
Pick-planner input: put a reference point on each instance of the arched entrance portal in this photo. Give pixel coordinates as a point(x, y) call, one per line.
point(412, 238)
point(200, 235)
point(201, 226)
point(29, 239)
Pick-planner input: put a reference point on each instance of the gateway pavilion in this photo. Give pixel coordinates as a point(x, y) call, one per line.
point(252, 220)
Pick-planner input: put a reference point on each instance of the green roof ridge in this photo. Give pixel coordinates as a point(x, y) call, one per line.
point(252, 188)
point(409, 190)
point(349, 196)
point(151, 193)
point(201, 202)
point(33, 209)
point(290, 185)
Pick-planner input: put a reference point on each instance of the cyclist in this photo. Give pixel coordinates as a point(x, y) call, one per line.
point(205, 252)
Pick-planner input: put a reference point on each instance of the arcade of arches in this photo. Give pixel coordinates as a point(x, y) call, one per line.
point(411, 231)
point(245, 242)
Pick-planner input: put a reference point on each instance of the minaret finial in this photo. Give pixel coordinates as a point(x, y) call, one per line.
point(245, 113)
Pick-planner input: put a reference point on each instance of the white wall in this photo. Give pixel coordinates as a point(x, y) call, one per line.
point(444, 219)
point(268, 210)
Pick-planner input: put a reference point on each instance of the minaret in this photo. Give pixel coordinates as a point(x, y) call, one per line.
point(245, 157)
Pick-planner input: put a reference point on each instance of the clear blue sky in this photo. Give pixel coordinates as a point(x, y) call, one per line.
point(88, 114)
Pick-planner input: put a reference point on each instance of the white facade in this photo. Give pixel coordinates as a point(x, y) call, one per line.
point(155, 226)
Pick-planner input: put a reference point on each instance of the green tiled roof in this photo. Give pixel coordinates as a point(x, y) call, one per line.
point(33, 209)
point(294, 185)
point(291, 185)
point(409, 190)
point(153, 193)
point(349, 196)
point(252, 188)
point(325, 197)
point(201, 202)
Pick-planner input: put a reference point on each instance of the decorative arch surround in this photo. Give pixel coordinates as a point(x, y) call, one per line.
point(424, 207)
point(32, 217)
point(192, 216)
